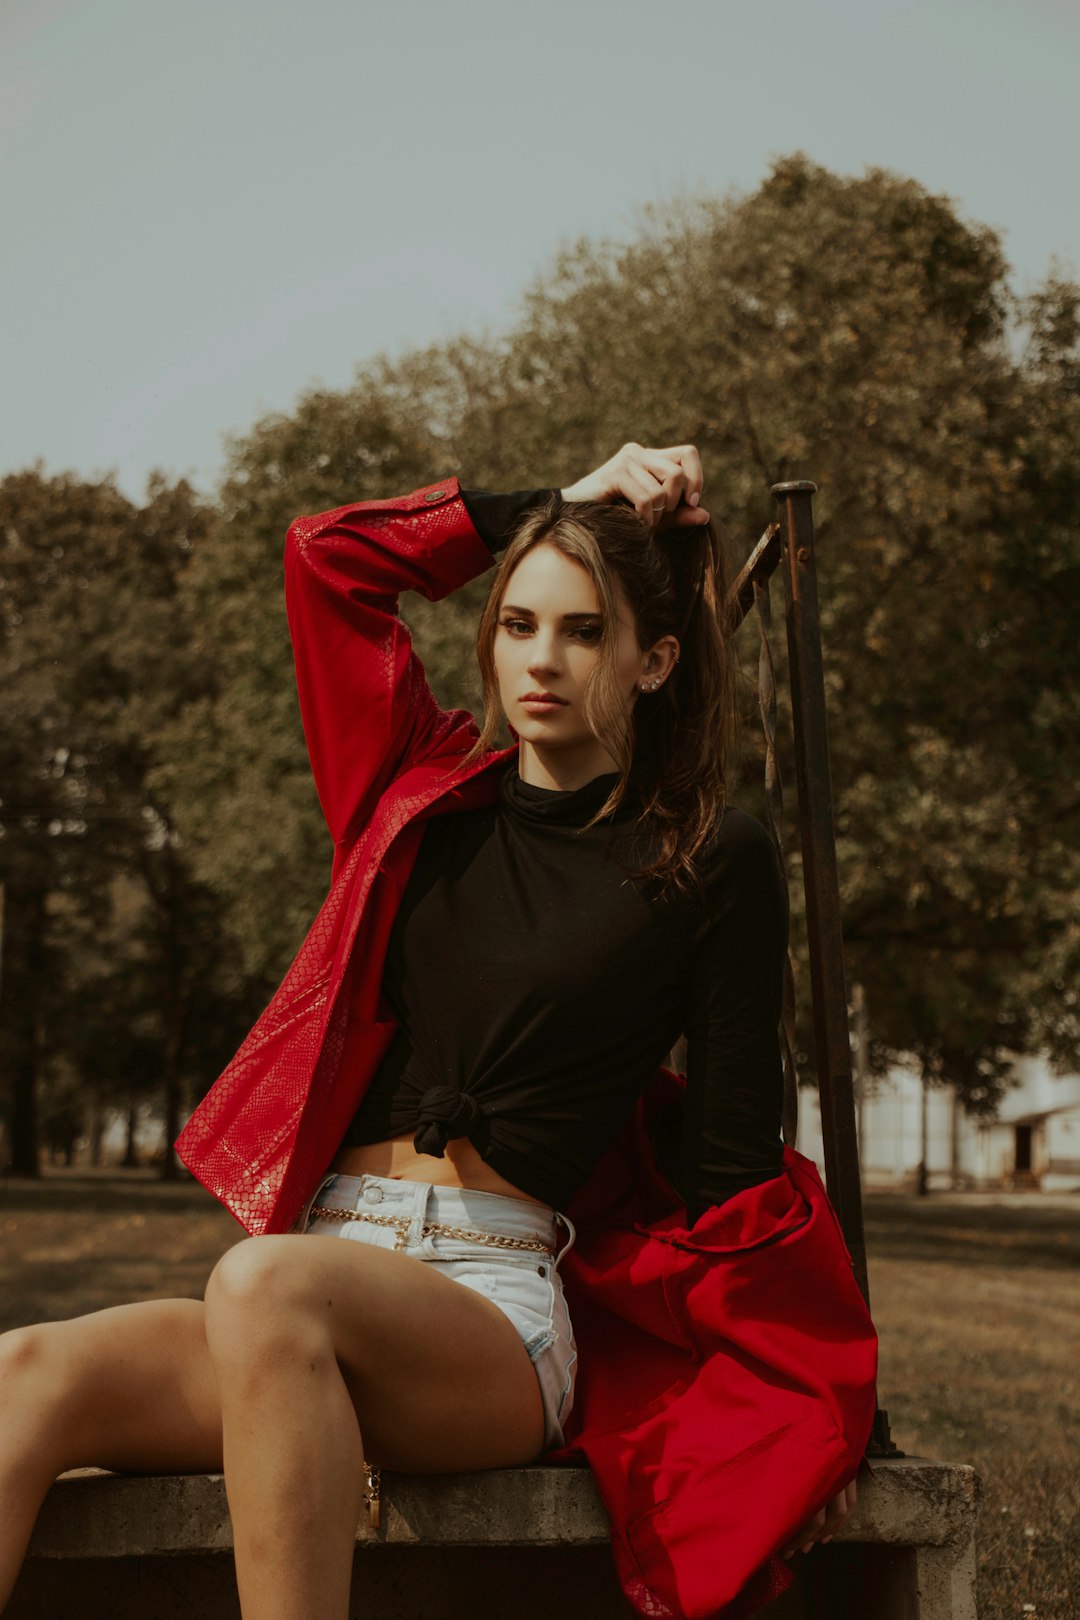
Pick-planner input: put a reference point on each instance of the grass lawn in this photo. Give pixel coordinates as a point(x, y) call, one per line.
point(977, 1304)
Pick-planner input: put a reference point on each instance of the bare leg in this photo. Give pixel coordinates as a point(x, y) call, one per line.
point(302, 1340)
point(131, 1387)
point(315, 1339)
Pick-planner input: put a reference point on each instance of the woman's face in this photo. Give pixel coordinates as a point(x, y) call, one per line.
point(547, 642)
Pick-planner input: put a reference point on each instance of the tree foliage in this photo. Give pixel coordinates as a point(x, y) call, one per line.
point(110, 943)
point(856, 331)
point(859, 332)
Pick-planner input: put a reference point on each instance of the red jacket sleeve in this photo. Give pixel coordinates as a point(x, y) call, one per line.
point(367, 709)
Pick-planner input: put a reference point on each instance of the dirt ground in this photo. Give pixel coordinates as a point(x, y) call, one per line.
point(976, 1300)
point(79, 1240)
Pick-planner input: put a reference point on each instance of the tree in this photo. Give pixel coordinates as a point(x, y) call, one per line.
point(44, 758)
point(234, 764)
point(857, 331)
point(96, 655)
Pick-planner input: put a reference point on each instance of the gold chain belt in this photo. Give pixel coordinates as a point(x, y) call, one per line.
point(403, 1222)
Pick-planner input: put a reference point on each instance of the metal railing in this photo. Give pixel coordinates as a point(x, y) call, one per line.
point(788, 544)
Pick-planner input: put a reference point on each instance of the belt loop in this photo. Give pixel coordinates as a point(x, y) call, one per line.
point(572, 1229)
point(415, 1233)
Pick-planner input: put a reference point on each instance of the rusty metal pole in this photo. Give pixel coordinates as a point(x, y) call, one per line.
point(832, 1041)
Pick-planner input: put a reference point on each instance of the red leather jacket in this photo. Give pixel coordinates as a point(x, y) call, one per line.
point(726, 1371)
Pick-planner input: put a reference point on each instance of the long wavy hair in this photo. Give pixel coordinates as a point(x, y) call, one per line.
point(672, 748)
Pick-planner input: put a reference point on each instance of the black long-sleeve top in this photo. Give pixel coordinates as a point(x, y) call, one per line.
point(537, 988)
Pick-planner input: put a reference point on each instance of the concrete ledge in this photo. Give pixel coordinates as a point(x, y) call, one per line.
point(914, 1502)
point(910, 1501)
point(90, 1514)
point(517, 1540)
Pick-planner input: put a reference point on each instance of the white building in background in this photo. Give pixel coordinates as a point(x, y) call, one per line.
point(1034, 1142)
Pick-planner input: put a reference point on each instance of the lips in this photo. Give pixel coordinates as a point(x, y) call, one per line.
point(542, 697)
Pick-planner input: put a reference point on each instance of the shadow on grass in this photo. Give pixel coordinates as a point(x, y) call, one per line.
point(974, 1234)
point(103, 1192)
point(68, 1288)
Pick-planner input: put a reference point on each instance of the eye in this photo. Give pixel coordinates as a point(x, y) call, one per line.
point(590, 634)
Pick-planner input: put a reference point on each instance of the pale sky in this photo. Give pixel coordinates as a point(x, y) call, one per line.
point(208, 205)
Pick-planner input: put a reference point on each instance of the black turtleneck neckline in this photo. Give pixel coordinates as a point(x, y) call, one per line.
point(567, 807)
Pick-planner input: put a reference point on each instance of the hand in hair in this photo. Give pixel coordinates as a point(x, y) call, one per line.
point(663, 486)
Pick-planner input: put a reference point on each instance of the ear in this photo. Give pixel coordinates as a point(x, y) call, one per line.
point(658, 665)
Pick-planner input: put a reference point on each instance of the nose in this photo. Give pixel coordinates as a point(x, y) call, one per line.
point(543, 654)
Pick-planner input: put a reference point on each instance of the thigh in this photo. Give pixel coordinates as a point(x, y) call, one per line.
point(136, 1387)
point(438, 1374)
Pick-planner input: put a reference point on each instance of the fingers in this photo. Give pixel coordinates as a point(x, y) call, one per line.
point(847, 1497)
point(673, 480)
point(807, 1535)
point(845, 1503)
point(644, 477)
point(839, 1508)
point(826, 1521)
point(690, 463)
point(663, 486)
point(641, 487)
point(684, 490)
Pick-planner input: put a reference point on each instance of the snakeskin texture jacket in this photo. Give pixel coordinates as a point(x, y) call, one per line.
point(726, 1371)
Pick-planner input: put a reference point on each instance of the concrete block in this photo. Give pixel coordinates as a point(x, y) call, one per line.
point(516, 1541)
point(91, 1514)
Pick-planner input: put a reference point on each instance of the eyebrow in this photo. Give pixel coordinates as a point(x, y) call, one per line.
point(508, 607)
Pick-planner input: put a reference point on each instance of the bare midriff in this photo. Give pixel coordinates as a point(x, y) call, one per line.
point(399, 1160)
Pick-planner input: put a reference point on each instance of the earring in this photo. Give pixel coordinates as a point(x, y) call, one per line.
point(649, 686)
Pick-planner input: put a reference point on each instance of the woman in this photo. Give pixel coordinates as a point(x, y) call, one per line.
point(468, 1042)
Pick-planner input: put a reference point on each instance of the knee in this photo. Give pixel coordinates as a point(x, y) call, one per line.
point(244, 1275)
point(257, 1313)
point(246, 1287)
point(24, 1358)
point(35, 1374)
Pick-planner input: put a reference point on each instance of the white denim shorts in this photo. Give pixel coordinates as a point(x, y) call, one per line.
point(525, 1284)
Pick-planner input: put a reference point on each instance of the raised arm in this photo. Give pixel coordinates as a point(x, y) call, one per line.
point(495, 516)
point(367, 709)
